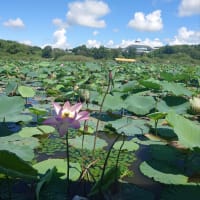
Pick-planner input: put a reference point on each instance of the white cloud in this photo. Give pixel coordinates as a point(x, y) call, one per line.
point(186, 36)
point(110, 43)
point(93, 43)
point(95, 33)
point(59, 23)
point(152, 43)
point(15, 23)
point(87, 13)
point(60, 39)
point(189, 7)
point(27, 42)
point(150, 22)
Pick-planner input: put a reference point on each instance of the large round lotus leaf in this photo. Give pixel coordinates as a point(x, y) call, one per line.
point(23, 147)
point(88, 142)
point(140, 105)
point(93, 123)
point(12, 165)
point(10, 106)
point(26, 91)
point(188, 132)
point(128, 87)
point(128, 145)
point(37, 111)
point(61, 165)
point(179, 104)
point(11, 87)
point(39, 130)
point(175, 88)
point(148, 142)
point(166, 178)
point(151, 84)
point(113, 102)
point(24, 152)
point(44, 64)
point(130, 192)
point(19, 117)
point(181, 192)
point(130, 127)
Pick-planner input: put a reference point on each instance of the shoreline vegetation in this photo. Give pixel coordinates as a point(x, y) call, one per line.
point(182, 54)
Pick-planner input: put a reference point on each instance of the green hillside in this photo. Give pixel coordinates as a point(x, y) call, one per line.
point(185, 54)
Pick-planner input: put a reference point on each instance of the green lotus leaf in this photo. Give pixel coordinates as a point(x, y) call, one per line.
point(11, 87)
point(22, 147)
point(128, 87)
point(175, 88)
point(187, 131)
point(140, 105)
point(150, 84)
point(167, 76)
point(19, 117)
point(37, 111)
point(26, 91)
point(129, 145)
point(39, 130)
point(157, 115)
point(88, 142)
point(179, 104)
point(61, 165)
point(10, 106)
point(12, 165)
point(59, 86)
point(129, 126)
point(166, 178)
point(44, 180)
point(148, 142)
point(113, 102)
point(44, 64)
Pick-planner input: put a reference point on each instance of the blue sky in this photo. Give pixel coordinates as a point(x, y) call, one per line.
point(111, 23)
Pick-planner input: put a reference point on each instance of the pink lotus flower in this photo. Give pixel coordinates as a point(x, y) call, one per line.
point(67, 117)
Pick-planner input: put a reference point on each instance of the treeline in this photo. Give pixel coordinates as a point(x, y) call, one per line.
point(179, 53)
point(192, 51)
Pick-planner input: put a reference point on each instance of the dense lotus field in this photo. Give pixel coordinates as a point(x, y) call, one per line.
point(141, 141)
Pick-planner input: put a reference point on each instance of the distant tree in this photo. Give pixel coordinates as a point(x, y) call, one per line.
point(129, 53)
point(58, 53)
point(13, 48)
point(47, 52)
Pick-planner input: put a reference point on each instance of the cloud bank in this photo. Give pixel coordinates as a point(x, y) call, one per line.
point(150, 22)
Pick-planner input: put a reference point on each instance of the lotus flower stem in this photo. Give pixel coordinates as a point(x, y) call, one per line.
point(67, 157)
point(105, 163)
point(100, 110)
point(156, 124)
point(117, 161)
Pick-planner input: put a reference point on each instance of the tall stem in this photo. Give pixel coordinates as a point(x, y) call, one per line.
point(105, 163)
point(123, 140)
point(67, 155)
point(100, 111)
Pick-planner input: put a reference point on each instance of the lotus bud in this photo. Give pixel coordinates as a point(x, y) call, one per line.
point(195, 104)
point(76, 87)
point(85, 95)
